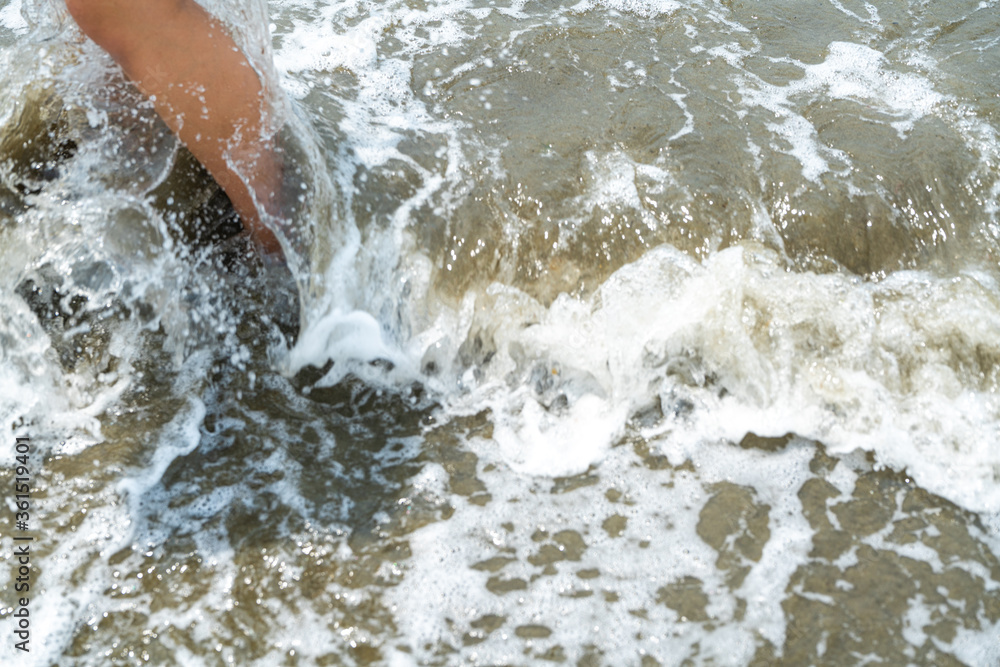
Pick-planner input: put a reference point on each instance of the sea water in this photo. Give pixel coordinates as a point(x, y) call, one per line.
point(614, 332)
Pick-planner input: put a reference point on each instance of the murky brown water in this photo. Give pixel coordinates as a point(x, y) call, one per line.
point(571, 274)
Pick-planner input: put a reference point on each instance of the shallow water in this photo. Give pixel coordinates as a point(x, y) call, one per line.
point(627, 332)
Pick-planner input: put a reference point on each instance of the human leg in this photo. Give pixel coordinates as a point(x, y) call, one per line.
point(203, 87)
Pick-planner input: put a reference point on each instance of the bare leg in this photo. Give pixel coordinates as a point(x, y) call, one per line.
point(204, 89)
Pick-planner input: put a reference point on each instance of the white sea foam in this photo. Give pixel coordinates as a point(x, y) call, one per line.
point(648, 8)
point(442, 584)
point(739, 344)
point(849, 71)
point(723, 347)
point(10, 17)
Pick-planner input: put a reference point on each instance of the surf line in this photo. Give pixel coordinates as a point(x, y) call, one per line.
point(22, 543)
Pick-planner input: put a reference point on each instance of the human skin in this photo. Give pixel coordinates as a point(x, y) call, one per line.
point(205, 90)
